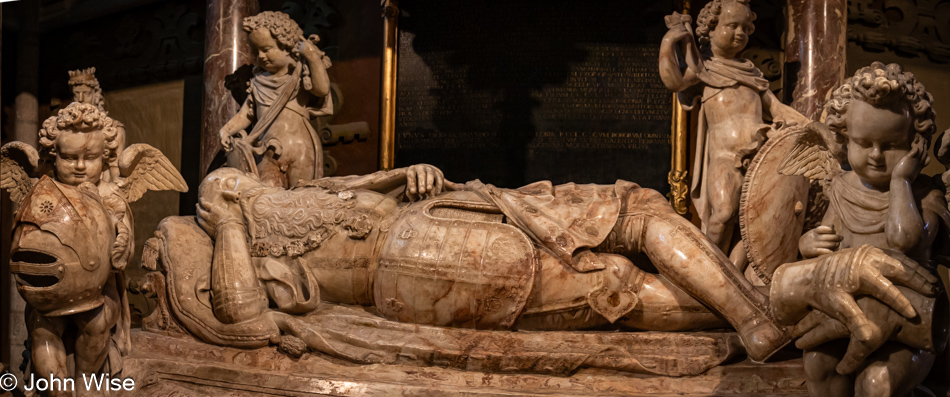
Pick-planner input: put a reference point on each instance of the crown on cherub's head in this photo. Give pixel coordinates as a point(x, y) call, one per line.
point(85, 76)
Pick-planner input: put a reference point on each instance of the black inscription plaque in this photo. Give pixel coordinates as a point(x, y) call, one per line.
point(512, 92)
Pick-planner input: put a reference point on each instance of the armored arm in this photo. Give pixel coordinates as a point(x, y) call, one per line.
point(414, 182)
point(236, 293)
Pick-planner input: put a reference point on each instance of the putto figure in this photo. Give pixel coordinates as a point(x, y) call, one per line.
point(73, 238)
point(735, 102)
point(880, 125)
point(85, 88)
point(290, 86)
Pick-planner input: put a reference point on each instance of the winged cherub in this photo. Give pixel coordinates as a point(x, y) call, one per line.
point(880, 124)
point(85, 88)
point(73, 237)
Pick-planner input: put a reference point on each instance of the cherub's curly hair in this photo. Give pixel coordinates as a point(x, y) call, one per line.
point(283, 29)
point(880, 84)
point(709, 18)
point(79, 118)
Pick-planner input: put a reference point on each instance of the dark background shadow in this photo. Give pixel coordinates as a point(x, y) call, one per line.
point(513, 92)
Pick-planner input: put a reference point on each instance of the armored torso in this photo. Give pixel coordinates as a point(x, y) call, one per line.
point(330, 231)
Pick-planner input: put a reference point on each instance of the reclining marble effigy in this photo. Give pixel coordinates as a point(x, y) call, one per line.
point(261, 259)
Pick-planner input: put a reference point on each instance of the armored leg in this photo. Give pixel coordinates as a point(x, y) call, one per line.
point(567, 299)
point(683, 255)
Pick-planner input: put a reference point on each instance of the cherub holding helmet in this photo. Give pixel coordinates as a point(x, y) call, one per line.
point(73, 237)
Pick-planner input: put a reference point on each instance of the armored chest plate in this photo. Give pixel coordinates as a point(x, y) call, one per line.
point(453, 263)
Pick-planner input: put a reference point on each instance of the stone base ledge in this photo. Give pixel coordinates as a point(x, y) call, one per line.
point(173, 366)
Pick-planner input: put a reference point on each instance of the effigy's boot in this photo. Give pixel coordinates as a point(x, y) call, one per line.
point(683, 255)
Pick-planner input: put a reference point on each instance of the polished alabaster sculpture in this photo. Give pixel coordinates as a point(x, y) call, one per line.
point(880, 125)
point(85, 88)
point(290, 86)
point(733, 95)
point(72, 239)
point(472, 264)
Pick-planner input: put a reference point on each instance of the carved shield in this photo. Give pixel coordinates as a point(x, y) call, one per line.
point(453, 263)
point(772, 208)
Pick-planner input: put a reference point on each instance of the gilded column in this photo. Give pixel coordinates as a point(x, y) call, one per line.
point(387, 106)
point(226, 49)
point(815, 51)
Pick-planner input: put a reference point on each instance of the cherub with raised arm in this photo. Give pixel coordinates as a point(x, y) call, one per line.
point(85, 88)
point(734, 95)
point(73, 237)
point(880, 124)
point(290, 86)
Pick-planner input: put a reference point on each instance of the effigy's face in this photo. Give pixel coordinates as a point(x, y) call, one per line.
point(735, 25)
point(878, 138)
point(270, 56)
point(83, 94)
point(80, 157)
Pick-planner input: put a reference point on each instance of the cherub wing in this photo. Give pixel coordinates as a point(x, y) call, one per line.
point(18, 163)
point(145, 168)
point(812, 156)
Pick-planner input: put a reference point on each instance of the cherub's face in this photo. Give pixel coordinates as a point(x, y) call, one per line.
point(732, 32)
point(270, 56)
point(878, 138)
point(80, 157)
point(83, 94)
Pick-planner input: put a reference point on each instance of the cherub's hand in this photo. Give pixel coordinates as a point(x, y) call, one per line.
point(678, 31)
point(225, 139)
point(819, 241)
point(308, 48)
point(831, 282)
point(423, 180)
point(910, 165)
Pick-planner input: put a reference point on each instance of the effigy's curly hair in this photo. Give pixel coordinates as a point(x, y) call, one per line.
point(880, 85)
point(709, 17)
point(284, 30)
point(79, 118)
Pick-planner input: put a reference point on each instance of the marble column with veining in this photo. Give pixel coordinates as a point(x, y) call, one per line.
point(226, 49)
point(815, 51)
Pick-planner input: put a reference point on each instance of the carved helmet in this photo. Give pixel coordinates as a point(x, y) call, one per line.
point(62, 242)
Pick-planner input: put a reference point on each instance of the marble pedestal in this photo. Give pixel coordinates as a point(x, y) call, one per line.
point(173, 366)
